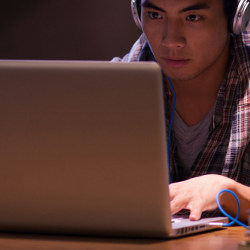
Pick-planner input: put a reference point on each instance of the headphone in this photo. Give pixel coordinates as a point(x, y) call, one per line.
point(239, 24)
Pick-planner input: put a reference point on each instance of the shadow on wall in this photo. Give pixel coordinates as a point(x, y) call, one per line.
point(66, 29)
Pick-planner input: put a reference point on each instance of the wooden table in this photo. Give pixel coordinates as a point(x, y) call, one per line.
point(225, 239)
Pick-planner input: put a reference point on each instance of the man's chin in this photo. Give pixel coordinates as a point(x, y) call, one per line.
point(179, 76)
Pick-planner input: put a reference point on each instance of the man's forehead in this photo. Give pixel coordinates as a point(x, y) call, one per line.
point(182, 6)
point(180, 3)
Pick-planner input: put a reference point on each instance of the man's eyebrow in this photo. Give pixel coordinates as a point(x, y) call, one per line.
point(148, 4)
point(197, 6)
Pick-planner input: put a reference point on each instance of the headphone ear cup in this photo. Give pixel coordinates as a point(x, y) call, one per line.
point(136, 12)
point(241, 17)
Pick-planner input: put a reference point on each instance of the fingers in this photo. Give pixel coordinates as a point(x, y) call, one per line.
point(195, 208)
point(182, 198)
point(179, 197)
point(197, 194)
point(195, 213)
point(177, 202)
point(176, 206)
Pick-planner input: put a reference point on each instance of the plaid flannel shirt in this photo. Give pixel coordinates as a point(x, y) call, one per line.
point(227, 149)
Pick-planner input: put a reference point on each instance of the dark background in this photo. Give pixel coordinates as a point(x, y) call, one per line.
point(66, 29)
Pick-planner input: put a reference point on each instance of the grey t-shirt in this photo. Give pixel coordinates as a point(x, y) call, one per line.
point(190, 139)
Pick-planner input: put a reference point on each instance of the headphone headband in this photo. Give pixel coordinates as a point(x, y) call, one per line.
point(135, 12)
point(241, 17)
point(240, 21)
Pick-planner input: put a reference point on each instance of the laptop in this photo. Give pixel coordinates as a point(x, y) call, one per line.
point(83, 150)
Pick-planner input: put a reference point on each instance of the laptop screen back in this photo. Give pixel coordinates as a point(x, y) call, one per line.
point(83, 148)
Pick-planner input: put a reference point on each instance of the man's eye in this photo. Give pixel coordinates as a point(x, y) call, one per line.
point(154, 15)
point(193, 18)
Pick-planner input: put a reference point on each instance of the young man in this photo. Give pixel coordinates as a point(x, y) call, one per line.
point(209, 70)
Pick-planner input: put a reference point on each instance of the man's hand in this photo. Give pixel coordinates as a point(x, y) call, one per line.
point(197, 194)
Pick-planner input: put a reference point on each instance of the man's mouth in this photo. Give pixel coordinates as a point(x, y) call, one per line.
point(176, 62)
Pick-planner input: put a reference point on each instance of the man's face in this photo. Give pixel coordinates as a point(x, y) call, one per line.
point(187, 37)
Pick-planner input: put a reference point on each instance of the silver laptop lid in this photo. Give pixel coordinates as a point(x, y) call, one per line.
point(83, 148)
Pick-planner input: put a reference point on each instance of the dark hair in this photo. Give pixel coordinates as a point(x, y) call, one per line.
point(230, 7)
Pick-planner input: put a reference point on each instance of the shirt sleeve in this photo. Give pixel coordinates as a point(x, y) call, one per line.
point(133, 55)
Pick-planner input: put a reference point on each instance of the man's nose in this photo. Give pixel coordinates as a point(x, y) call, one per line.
point(173, 35)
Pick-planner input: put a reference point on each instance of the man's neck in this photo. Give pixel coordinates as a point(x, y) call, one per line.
point(195, 101)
